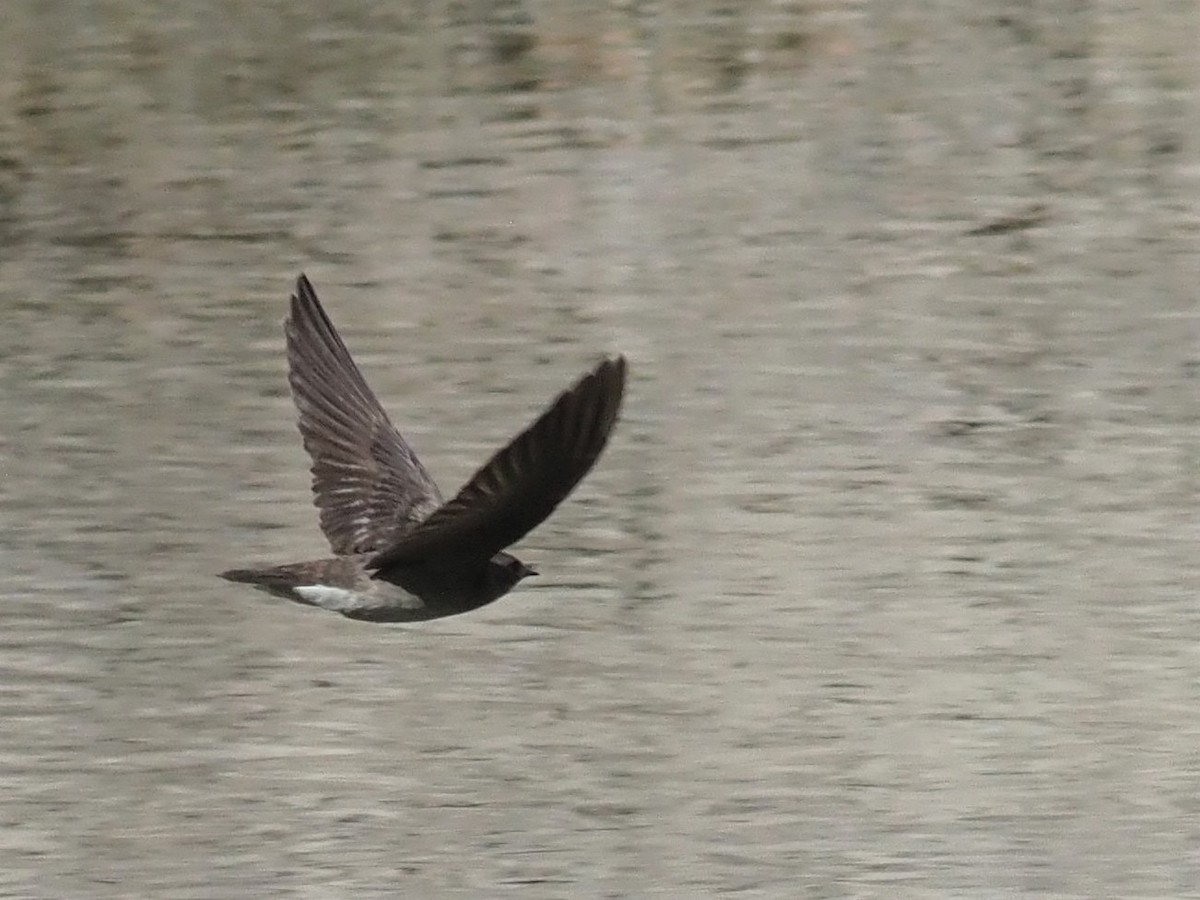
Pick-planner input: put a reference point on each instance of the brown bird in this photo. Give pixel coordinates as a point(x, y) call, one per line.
point(402, 554)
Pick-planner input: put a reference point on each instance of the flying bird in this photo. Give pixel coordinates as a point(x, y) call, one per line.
point(401, 553)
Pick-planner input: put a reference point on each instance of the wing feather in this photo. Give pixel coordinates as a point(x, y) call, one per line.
point(368, 484)
point(523, 482)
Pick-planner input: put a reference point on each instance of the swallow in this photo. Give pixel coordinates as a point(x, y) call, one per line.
point(402, 553)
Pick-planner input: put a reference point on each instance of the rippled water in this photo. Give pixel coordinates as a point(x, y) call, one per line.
point(886, 585)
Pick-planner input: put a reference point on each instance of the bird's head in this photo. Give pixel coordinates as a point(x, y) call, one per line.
point(504, 571)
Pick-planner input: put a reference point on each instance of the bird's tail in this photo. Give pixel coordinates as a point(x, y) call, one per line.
point(275, 581)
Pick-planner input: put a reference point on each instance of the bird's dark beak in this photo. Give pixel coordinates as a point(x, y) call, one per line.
point(529, 570)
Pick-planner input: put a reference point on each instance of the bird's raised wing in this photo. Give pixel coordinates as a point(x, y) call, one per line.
point(521, 484)
point(367, 482)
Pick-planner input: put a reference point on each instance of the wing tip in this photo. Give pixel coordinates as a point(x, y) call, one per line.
point(611, 373)
point(304, 298)
point(613, 368)
point(608, 376)
point(304, 286)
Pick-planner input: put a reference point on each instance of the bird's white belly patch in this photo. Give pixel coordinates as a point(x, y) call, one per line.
point(326, 597)
point(381, 595)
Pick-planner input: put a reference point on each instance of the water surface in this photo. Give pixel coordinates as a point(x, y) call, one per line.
point(885, 586)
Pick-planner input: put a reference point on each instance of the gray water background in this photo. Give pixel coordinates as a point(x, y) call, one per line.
point(886, 585)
